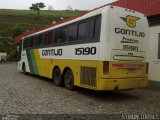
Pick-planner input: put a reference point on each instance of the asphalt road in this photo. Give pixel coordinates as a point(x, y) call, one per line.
point(27, 94)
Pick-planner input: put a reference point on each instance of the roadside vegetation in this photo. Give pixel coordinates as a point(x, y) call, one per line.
point(16, 22)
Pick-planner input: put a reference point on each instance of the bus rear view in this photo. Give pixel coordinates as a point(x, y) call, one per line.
point(124, 65)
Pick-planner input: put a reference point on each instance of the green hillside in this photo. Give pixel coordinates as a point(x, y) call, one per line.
point(29, 19)
point(15, 22)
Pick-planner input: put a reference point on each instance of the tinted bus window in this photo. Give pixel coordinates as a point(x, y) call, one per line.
point(48, 38)
point(63, 34)
point(94, 28)
point(72, 33)
point(25, 42)
point(82, 31)
point(91, 28)
point(57, 36)
point(60, 35)
point(31, 42)
point(38, 40)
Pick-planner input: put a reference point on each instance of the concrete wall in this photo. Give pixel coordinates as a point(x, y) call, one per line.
point(3, 56)
point(154, 62)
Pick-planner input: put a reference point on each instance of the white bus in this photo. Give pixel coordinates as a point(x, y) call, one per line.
point(104, 49)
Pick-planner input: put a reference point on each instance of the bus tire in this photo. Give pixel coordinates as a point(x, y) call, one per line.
point(69, 79)
point(24, 68)
point(57, 76)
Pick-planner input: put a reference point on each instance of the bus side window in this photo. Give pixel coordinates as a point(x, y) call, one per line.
point(57, 36)
point(94, 28)
point(53, 34)
point(60, 35)
point(82, 31)
point(97, 27)
point(48, 38)
point(63, 35)
point(91, 28)
point(25, 42)
point(38, 40)
point(72, 32)
point(31, 42)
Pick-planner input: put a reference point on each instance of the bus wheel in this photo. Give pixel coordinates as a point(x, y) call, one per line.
point(57, 77)
point(24, 68)
point(69, 79)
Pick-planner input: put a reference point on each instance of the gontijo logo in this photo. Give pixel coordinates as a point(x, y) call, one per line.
point(130, 20)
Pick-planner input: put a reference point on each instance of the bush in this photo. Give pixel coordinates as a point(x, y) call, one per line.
point(17, 30)
point(12, 53)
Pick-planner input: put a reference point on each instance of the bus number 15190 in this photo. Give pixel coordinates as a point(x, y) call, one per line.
point(85, 51)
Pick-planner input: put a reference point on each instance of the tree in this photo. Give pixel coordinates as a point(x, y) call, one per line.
point(69, 7)
point(50, 7)
point(37, 7)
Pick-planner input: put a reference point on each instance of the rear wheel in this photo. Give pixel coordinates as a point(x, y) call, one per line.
point(69, 79)
point(24, 68)
point(57, 77)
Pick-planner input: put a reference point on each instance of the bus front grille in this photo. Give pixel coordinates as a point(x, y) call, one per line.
point(88, 76)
